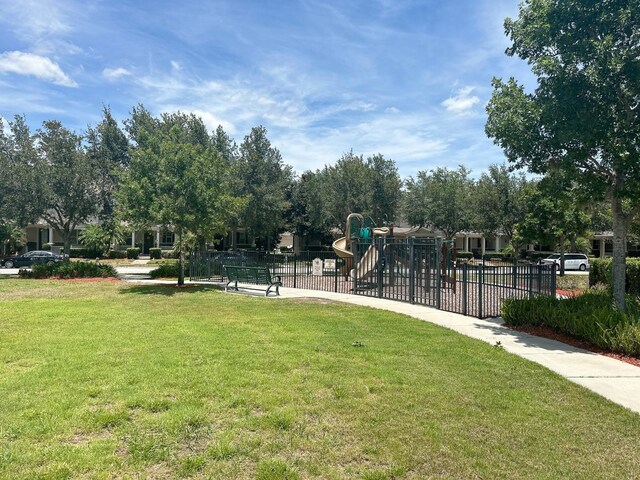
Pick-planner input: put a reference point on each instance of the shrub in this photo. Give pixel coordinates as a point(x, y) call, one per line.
point(133, 253)
point(82, 253)
point(47, 247)
point(533, 256)
point(155, 253)
point(590, 317)
point(117, 254)
point(600, 273)
point(169, 270)
point(170, 254)
point(464, 255)
point(70, 270)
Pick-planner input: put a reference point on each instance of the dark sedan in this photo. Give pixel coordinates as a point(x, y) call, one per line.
point(32, 258)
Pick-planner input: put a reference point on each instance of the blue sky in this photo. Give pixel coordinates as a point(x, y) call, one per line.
point(409, 79)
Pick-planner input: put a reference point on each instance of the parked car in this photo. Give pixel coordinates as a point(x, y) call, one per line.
point(32, 258)
point(572, 261)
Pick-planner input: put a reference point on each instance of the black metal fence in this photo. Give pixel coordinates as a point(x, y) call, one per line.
point(419, 271)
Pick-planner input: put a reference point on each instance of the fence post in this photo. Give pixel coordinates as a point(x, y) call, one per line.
point(464, 288)
point(379, 267)
point(295, 270)
point(412, 270)
point(530, 280)
point(438, 272)
point(480, 282)
point(514, 280)
point(539, 278)
point(553, 280)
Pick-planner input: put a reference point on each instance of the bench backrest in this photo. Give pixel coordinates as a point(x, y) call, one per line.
point(259, 275)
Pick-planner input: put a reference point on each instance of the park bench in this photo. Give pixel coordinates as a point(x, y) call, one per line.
point(253, 275)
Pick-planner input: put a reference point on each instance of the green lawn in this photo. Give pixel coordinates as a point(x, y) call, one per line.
point(109, 380)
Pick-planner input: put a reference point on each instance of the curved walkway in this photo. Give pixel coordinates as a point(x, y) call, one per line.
point(613, 379)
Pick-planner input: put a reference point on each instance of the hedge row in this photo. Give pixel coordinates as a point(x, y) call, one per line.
point(70, 270)
point(83, 253)
point(590, 317)
point(169, 270)
point(600, 273)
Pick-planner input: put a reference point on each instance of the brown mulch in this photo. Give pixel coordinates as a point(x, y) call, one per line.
point(547, 332)
point(569, 293)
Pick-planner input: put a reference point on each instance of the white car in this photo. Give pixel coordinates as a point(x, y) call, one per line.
point(572, 261)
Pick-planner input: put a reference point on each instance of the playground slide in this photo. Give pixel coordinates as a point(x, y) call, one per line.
point(340, 247)
point(367, 263)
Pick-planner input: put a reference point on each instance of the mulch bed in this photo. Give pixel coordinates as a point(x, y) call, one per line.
point(547, 332)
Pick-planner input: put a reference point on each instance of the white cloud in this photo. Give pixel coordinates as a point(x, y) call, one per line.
point(463, 102)
point(115, 73)
point(176, 66)
point(24, 63)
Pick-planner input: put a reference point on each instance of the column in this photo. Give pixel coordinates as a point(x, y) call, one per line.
point(498, 246)
point(50, 235)
point(158, 238)
point(484, 245)
point(602, 248)
point(466, 243)
point(133, 239)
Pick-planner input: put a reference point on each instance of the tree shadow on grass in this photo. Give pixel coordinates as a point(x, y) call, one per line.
point(167, 290)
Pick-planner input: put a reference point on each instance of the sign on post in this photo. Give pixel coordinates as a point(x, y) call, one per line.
point(330, 264)
point(316, 268)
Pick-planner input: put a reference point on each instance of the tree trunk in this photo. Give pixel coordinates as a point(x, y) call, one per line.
point(66, 238)
point(562, 256)
point(618, 267)
point(181, 260)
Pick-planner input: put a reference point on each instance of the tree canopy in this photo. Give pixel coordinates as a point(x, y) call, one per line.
point(583, 117)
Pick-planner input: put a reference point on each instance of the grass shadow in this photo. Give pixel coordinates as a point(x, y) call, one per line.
point(167, 290)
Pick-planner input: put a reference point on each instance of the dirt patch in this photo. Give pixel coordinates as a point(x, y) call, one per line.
point(569, 293)
point(316, 301)
point(547, 332)
point(86, 438)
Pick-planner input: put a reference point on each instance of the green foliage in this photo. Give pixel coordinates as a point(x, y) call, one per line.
point(275, 470)
point(177, 178)
point(464, 255)
point(70, 270)
point(498, 201)
point(168, 270)
point(601, 274)
point(440, 199)
point(113, 254)
point(265, 182)
point(46, 247)
point(12, 238)
point(590, 317)
point(133, 253)
point(95, 237)
point(582, 119)
point(155, 253)
point(82, 253)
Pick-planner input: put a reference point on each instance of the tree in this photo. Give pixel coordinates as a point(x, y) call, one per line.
point(498, 201)
point(583, 117)
point(265, 182)
point(71, 191)
point(20, 182)
point(440, 199)
point(178, 180)
point(553, 214)
point(386, 187)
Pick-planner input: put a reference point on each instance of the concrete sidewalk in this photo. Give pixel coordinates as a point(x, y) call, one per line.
point(615, 380)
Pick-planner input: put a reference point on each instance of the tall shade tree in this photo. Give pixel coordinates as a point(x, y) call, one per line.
point(386, 187)
point(266, 181)
point(498, 201)
point(20, 181)
point(72, 188)
point(178, 179)
point(584, 115)
point(553, 214)
point(108, 147)
point(440, 199)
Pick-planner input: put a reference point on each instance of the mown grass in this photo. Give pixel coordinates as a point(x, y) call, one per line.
point(104, 380)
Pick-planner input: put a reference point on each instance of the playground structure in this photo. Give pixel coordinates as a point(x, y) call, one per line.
point(368, 249)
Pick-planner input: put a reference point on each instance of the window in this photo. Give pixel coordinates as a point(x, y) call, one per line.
point(168, 238)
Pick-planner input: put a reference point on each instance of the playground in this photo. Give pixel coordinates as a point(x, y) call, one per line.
point(373, 260)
